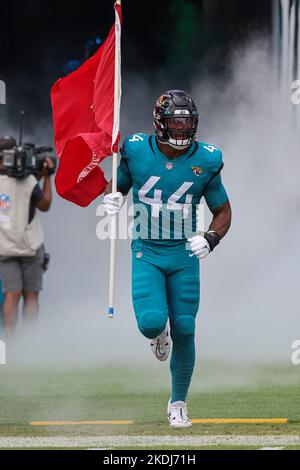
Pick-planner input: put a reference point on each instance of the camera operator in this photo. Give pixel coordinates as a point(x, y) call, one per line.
point(22, 253)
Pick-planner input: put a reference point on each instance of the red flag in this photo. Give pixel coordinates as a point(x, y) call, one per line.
point(86, 113)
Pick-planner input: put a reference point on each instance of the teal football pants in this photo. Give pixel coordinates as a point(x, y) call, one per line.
point(165, 284)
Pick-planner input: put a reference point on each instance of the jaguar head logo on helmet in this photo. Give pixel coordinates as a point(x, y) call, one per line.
point(175, 119)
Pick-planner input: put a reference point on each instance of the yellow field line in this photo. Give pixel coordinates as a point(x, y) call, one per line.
point(194, 421)
point(241, 421)
point(78, 423)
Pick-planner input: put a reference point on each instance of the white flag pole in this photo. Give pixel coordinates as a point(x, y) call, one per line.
point(116, 128)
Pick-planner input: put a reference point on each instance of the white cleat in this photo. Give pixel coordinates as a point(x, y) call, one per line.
point(177, 415)
point(161, 345)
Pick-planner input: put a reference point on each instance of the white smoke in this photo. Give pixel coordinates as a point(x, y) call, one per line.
point(249, 307)
point(249, 284)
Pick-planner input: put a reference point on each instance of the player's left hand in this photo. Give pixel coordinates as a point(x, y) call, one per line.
point(199, 246)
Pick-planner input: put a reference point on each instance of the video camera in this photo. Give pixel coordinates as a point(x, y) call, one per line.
point(26, 160)
point(23, 160)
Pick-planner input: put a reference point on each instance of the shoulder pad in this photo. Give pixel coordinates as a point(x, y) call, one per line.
point(211, 157)
point(133, 143)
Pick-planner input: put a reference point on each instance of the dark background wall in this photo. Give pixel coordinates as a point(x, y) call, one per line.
point(175, 38)
point(29, 29)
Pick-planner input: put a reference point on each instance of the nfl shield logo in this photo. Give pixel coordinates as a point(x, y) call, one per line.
point(5, 202)
point(169, 165)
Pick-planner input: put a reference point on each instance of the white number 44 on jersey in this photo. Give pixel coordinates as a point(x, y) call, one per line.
point(156, 201)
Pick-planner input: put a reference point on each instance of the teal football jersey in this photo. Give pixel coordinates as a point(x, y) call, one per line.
point(167, 192)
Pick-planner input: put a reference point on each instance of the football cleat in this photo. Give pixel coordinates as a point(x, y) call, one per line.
point(177, 415)
point(161, 345)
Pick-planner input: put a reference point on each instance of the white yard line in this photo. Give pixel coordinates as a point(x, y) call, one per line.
point(272, 448)
point(140, 441)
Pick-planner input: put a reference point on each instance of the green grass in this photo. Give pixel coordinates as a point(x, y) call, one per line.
point(32, 394)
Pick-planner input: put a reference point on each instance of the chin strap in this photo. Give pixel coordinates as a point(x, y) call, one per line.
point(178, 147)
point(173, 146)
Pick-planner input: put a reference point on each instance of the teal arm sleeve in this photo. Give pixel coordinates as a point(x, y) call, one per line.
point(215, 194)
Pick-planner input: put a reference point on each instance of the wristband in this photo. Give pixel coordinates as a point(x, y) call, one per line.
point(213, 239)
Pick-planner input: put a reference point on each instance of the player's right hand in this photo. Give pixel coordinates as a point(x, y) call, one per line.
point(112, 203)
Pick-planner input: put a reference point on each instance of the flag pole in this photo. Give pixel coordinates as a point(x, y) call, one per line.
point(113, 232)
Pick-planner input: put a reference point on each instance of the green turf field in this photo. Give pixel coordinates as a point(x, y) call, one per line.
point(140, 394)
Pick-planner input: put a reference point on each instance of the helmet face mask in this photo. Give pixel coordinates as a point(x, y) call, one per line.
point(175, 119)
point(179, 130)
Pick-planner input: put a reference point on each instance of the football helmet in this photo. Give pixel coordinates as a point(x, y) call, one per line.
point(175, 119)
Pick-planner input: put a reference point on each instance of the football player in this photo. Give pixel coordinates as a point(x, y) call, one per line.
point(169, 172)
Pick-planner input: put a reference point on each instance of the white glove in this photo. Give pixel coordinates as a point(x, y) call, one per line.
point(112, 203)
point(199, 246)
